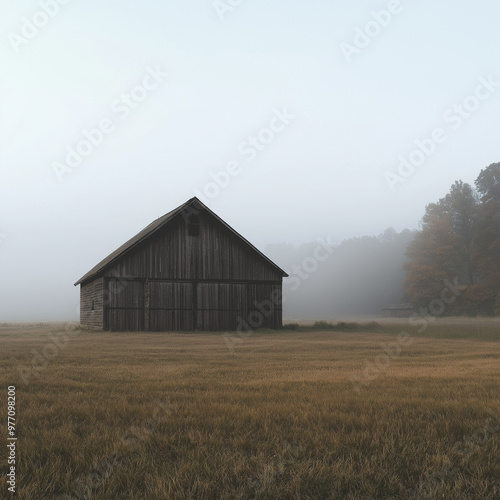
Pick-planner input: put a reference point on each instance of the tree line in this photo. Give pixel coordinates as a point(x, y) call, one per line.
point(459, 241)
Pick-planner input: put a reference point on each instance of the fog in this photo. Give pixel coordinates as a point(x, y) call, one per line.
point(358, 277)
point(293, 122)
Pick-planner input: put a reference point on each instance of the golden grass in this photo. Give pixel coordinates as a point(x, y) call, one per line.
point(174, 416)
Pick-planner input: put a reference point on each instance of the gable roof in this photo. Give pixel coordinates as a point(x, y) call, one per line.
point(158, 224)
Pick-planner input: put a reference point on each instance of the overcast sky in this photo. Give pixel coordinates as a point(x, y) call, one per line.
point(113, 113)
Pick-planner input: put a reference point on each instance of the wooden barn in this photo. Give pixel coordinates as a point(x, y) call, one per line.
point(188, 270)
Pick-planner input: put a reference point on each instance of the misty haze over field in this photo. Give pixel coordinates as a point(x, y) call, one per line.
point(358, 277)
point(294, 123)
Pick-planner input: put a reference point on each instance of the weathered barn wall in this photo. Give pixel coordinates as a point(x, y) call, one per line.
point(171, 305)
point(92, 294)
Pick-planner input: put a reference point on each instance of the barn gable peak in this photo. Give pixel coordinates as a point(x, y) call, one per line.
point(189, 211)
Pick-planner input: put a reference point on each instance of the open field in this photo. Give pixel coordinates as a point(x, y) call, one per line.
point(288, 415)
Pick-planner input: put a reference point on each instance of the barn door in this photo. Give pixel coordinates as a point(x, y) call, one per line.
point(233, 305)
point(202, 306)
point(125, 305)
point(207, 304)
point(170, 306)
point(221, 306)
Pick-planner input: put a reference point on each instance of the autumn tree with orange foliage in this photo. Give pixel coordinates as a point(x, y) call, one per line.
point(460, 241)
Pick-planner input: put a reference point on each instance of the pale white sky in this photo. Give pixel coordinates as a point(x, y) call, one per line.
point(216, 83)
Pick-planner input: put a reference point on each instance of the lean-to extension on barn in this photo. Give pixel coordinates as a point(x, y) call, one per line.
point(188, 270)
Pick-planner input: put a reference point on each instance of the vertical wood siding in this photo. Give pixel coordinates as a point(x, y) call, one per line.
point(174, 281)
point(216, 254)
point(125, 305)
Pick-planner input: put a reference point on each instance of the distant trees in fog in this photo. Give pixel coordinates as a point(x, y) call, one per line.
point(460, 239)
point(459, 242)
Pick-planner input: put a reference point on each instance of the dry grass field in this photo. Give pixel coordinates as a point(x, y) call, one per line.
point(288, 415)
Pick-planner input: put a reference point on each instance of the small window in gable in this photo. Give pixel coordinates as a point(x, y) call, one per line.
point(93, 305)
point(194, 225)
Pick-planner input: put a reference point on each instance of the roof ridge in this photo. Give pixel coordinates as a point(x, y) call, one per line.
point(155, 226)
